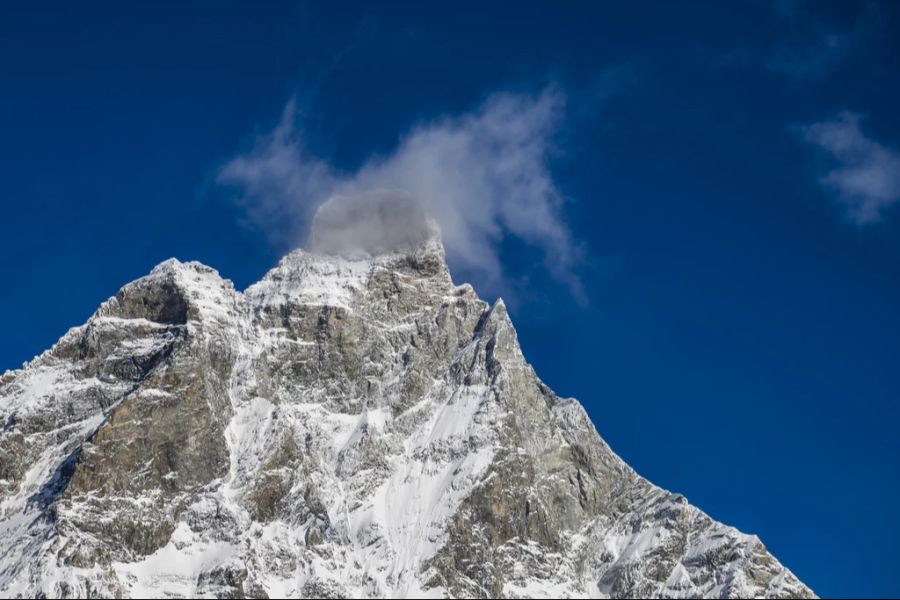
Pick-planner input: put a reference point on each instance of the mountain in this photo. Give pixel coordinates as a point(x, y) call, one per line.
point(354, 424)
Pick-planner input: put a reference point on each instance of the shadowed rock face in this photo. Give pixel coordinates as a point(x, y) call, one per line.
point(352, 425)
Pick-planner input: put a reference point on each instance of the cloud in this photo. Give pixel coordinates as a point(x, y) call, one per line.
point(809, 46)
point(281, 184)
point(369, 223)
point(867, 176)
point(482, 176)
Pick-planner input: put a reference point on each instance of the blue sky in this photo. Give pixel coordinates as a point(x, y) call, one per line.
point(715, 273)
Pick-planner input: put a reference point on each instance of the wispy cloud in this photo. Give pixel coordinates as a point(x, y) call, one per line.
point(810, 46)
point(482, 176)
point(280, 184)
point(866, 178)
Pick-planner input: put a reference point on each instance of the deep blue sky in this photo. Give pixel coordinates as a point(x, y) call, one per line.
point(741, 338)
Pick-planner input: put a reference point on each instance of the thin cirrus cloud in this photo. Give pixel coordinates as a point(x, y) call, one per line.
point(866, 176)
point(810, 46)
point(482, 176)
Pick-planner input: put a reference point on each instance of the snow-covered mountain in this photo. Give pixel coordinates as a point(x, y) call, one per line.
point(353, 425)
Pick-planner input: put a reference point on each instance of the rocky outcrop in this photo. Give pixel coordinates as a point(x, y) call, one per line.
point(352, 425)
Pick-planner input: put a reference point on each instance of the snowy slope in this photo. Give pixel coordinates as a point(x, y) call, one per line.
point(351, 425)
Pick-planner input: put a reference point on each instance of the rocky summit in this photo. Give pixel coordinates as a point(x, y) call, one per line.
point(353, 425)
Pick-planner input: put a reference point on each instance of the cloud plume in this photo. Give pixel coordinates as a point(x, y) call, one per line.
point(481, 176)
point(866, 178)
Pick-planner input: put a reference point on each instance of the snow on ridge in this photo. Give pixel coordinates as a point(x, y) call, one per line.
point(350, 459)
point(305, 278)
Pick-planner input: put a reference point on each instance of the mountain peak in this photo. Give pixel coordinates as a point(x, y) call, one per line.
point(353, 425)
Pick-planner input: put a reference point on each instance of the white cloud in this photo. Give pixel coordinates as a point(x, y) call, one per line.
point(867, 176)
point(482, 176)
point(281, 184)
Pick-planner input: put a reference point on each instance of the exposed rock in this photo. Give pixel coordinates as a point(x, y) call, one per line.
point(352, 425)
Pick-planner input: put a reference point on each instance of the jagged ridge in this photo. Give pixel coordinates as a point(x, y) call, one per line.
point(351, 425)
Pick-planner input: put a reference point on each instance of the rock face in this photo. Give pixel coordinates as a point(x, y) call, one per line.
point(351, 425)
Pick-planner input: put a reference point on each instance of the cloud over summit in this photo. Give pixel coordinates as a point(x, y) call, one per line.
point(481, 176)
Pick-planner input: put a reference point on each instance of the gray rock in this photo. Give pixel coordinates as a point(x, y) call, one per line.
point(352, 425)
